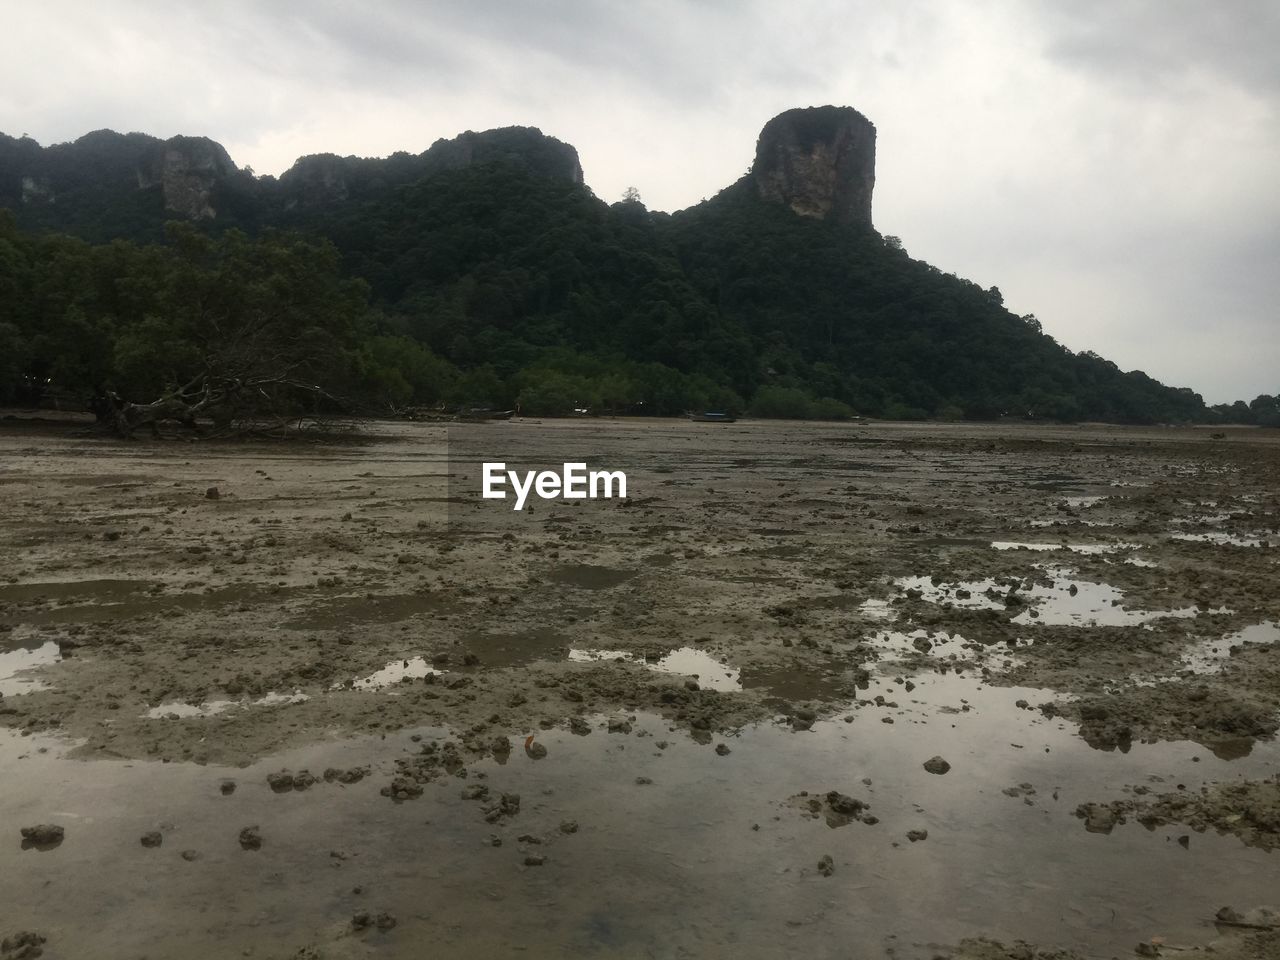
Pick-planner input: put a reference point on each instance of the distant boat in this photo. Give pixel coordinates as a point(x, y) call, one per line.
point(476, 413)
point(710, 416)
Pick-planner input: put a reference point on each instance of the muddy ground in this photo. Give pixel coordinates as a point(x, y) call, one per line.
point(855, 597)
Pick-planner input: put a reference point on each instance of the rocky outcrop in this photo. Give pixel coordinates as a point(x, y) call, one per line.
point(189, 170)
point(36, 190)
point(820, 162)
point(95, 174)
point(318, 178)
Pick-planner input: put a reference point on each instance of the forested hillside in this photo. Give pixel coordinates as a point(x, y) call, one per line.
point(492, 280)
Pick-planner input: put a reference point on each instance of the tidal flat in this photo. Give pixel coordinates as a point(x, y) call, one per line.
point(366, 713)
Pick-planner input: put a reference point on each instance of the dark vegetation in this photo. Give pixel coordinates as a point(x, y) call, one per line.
point(492, 284)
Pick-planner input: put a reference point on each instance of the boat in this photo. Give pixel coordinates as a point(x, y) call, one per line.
point(476, 413)
point(711, 416)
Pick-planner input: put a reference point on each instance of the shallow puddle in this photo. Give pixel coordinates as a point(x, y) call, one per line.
point(1091, 549)
point(1208, 656)
point(98, 590)
point(1077, 503)
point(15, 667)
point(1067, 602)
point(1219, 537)
point(396, 671)
point(876, 609)
point(691, 662)
point(177, 710)
point(514, 649)
point(589, 576)
point(938, 645)
point(710, 673)
point(652, 812)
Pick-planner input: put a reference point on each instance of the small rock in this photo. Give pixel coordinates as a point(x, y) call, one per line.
point(844, 804)
point(43, 835)
point(26, 945)
point(251, 838)
point(917, 835)
point(937, 765)
point(1097, 817)
point(190, 855)
point(364, 920)
point(212, 493)
point(227, 787)
point(826, 866)
point(723, 749)
point(152, 838)
point(507, 805)
point(534, 860)
point(568, 826)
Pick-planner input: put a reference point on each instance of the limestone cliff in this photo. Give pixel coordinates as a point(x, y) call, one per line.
point(102, 173)
point(189, 170)
point(820, 162)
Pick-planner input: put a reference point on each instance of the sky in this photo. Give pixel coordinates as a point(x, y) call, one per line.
point(1110, 165)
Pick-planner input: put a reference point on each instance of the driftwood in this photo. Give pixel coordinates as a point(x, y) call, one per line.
point(234, 406)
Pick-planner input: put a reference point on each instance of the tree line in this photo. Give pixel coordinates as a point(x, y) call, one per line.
point(493, 286)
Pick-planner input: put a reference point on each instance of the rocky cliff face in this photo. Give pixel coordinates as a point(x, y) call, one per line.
point(820, 162)
point(189, 169)
point(179, 175)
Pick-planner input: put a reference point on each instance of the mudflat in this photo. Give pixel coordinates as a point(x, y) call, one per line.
point(317, 699)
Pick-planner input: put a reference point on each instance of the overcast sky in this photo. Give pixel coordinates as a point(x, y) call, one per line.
point(1111, 165)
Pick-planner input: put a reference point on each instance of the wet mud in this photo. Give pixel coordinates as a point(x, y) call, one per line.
point(730, 685)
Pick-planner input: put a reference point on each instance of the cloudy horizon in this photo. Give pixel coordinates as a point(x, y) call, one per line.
point(1108, 165)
